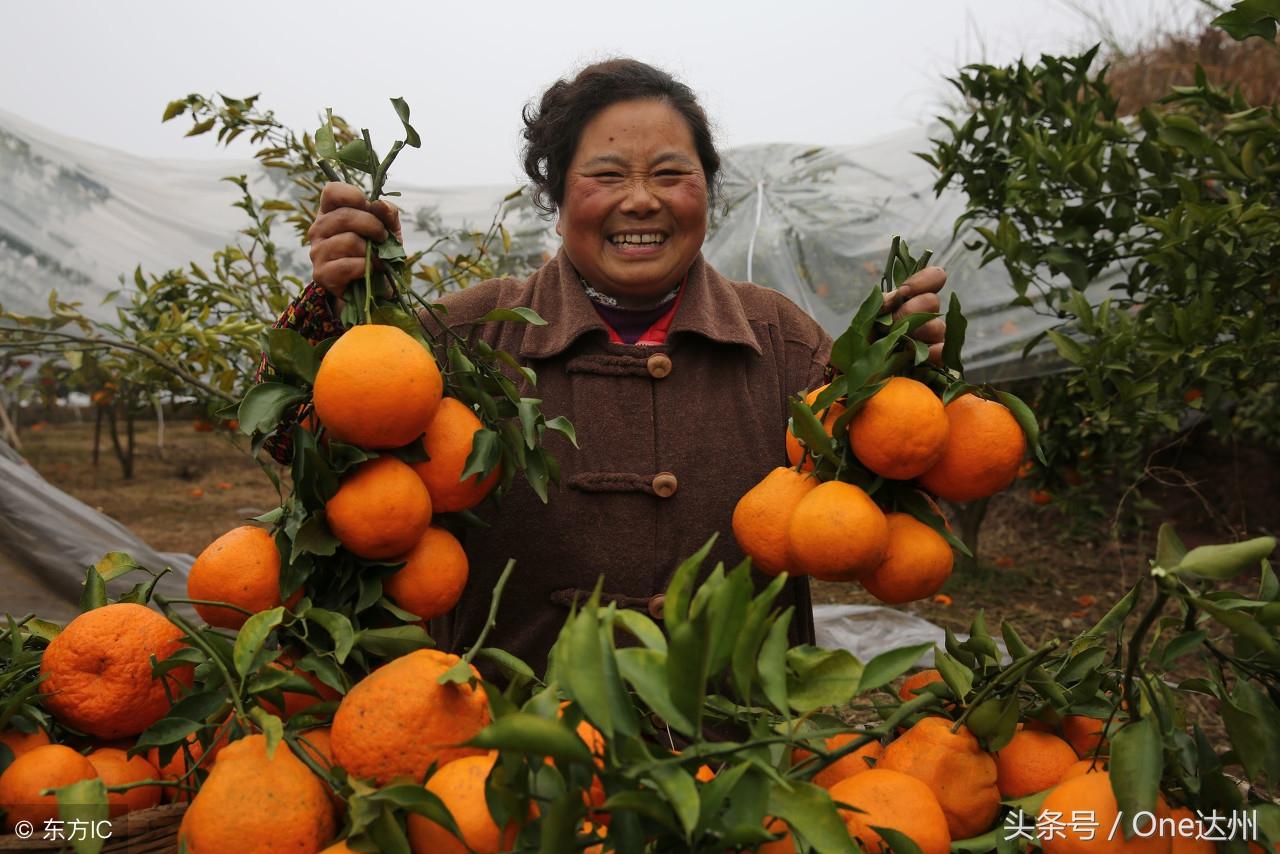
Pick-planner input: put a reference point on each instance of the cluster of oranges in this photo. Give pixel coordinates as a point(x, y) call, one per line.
point(379, 389)
point(835, 531)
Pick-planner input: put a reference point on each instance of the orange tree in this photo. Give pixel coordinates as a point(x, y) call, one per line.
point(1176, 207)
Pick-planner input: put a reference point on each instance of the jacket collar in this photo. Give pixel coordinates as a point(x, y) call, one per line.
point(709, 306)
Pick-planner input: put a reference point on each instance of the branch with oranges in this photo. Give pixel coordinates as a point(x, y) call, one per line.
point(872, 449)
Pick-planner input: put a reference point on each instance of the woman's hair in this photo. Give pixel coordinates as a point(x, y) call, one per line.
point(553, 127)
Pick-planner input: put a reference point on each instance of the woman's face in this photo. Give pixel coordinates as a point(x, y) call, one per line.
point(634, 213)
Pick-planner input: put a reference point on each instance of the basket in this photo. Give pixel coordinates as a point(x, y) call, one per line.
point(150, 831)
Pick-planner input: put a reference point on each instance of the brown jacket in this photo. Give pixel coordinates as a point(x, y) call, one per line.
point(670, 438)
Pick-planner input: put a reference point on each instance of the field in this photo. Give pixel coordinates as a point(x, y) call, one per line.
point(1035, 571)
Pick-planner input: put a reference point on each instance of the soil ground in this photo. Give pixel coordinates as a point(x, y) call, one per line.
point(1050, 578)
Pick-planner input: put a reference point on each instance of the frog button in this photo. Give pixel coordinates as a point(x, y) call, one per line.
point(656, 604)
point(659, 365)
point(665, 484)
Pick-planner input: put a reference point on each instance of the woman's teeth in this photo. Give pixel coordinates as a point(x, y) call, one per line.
point(637, 239)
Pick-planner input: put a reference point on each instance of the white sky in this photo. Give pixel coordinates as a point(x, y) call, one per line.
point(796, 71)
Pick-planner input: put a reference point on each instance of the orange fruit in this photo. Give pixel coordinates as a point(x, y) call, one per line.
point(297, 702)
point(1186, 829)
point(913, 683)
point(398, 720)
point(783, 845)
point(20, 742)
point(1091, 795)
point(433, 577)
point(892, 799)
point(377, 387)
point(242, 567)
point(984, 449)
point(448, 442)
point(845, 766)
point(595, 795)
point(917, 564)
point(1040, 498)
point(837, 533)
point(178, 766)
point(1084, 734)
point(460, 786)
point(1032, 762)
point(318, 743)
point(339, 848)
point(252, 802)
point(901, 431)
point(762, 517)
point(380, 511)
point(795, 450)
point(1084, 766)
point(49, 766)
point(960, 773)
point(117, 768)
point(98, 671)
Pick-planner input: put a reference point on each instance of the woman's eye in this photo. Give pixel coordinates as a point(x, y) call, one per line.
point(607, 175)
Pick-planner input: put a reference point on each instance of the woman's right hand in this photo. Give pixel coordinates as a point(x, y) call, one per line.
point(338, 236)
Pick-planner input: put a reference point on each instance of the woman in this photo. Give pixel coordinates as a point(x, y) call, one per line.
point(676, 379)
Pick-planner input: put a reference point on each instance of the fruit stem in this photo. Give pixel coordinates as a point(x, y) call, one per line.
point(493, 611)
point(1021, 665)
point(1135, 650)
point(208, 650)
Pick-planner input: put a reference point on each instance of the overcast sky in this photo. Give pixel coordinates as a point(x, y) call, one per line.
point(794, 71)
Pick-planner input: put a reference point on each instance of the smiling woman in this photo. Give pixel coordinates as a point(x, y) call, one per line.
point(676, 378)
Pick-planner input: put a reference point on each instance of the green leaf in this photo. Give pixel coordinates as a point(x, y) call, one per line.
point(1137, 763)
point(173, 109)
point(1026, 420)
point(272, 727)
point(82, 806)
point(1226, 561)
point(292, 354)
point(314, 538)
point(252, 636)
point(810, 810)
point(688, 666)
point(265, 404)
point(675, 608)
point(393, 642)
point(582, 670)
point(528, 733)
point(888, 666)
point(519, 314)
point(958, 677)
point(953, 344)
point(169, 730)
point(645, 670)
point(772, 663)
point(94, 593)
point(1169, 549)
point(339, 628)
point(642, 629)
point(821, 677)
point(115, 564)
point(411, 137)
point(1068, 348)
point(681, 794)
point(508, 662)
point(1251, 720)
point(356, 154)
point(1250, 18)
point(486, 452)
point(898, 842)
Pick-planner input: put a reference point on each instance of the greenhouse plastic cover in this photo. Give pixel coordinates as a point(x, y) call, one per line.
point(814, 223)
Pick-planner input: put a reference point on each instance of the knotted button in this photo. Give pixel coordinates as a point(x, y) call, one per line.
point(665, 484)
point(655, 605)
point(659, 365)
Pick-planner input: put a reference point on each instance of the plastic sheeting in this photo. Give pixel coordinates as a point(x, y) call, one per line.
point(814, 223)
point(57, 537)
point(868, 630)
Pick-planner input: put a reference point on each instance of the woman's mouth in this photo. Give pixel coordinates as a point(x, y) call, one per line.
point(638, 243)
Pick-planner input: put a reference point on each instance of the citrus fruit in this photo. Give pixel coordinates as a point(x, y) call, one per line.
point(377, 387)
point(984, 449)
point(837, 533)
point(433, 576)
point(961, 775)
point(178, 766)
point(1084, 734)
point(1032, 762)
point(98, 671)
point(900, 431)
point(381, 510)
point(448, 442)
point(917, 564)
point(895, 800)
point(49, 766)
point(117, 768)
point(1091, 795)
point(845, 766)
point(252, 802)
point(795, 450)
point(762, 517)
point(382, 730)
point(460, 786)
point(242, 567)
point(20, 742)
point(1080, 767)
point(1188, 833)
point(913, 683)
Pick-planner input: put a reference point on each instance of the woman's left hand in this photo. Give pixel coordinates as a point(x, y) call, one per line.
point(919, 295)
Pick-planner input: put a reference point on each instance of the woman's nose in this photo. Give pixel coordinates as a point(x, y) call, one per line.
point(640, 198)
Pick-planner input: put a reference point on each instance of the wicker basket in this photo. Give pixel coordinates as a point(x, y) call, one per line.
point(153, 831)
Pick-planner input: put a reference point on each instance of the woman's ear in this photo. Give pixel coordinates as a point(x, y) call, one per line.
point(559, 233)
